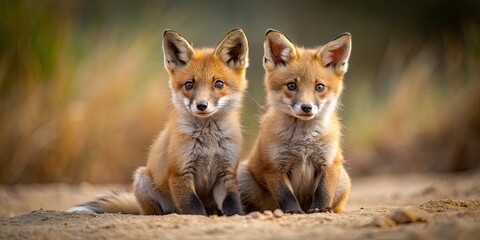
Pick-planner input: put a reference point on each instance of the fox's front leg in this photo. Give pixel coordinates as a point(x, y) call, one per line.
point(279, 186)
point(226, 195)
point(324, 191)
point(183, 193)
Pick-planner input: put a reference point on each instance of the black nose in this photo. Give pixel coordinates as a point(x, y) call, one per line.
point(202, 105)
point(306, 108)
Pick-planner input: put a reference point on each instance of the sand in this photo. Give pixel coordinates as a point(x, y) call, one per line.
point(417, 206)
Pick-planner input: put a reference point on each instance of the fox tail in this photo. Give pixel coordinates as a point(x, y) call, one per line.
point(116, 202)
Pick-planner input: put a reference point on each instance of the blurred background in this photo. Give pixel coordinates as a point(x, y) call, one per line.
point(83, 91)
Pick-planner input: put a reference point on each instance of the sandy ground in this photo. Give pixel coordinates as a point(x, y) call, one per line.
point(381, 207)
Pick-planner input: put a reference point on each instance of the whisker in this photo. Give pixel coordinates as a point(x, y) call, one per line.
point(258, 104)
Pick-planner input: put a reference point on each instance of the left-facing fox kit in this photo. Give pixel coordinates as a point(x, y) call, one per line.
point(191, 165)
point(296, 164)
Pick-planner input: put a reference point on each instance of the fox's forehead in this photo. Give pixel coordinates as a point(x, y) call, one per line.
point(205, 66)
point(307, 67)
point(203, 54)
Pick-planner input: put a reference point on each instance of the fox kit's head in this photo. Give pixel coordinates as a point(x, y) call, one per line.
point(206, 81)
point(305, 83)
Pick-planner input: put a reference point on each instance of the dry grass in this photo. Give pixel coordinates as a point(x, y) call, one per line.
point(425, 114)
point(79, 105)
point(82, 97)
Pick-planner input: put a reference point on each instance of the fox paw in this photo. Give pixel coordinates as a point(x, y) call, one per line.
point(321, 210)
point(231, 205)
point(294, 211)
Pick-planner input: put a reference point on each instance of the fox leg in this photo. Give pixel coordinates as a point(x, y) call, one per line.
point(151, 201)
point(342, 193)
point(253, 196)
point(280, 187)
point(225, 193)
point(182, 189)
point(248, 189)
point(324, 193)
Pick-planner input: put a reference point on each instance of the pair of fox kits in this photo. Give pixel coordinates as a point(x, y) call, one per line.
point(296, 164)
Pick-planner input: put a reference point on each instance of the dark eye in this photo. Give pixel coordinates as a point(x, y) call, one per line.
point(188, 85)
point(219, 84)
point(319, 87)
point(291, 86)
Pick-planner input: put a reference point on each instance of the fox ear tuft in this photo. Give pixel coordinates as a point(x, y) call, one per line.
point(233, 49)
point(335, 54)
point(278, 49)
point(177, 51)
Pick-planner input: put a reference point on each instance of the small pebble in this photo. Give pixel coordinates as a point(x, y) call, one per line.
point(382, 221)
point(404, 215)
point(268, 213)
point(255, 214)
point(278, 213)
point(397, 216)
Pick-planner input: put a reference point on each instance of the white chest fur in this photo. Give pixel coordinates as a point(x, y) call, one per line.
point(210, 149)
point(302, 142)
point(302, 151)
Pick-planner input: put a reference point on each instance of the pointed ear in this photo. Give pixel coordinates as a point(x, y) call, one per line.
point(278, 49)
point(177, 51)
point(334, 55)
point(233, 49)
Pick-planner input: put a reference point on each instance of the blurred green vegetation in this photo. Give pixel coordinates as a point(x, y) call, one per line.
point(83, 91)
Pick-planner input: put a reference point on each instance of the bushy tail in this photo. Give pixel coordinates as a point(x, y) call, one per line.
point(116, 202)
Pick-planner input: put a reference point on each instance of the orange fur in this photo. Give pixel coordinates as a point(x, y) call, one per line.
point(191, 165)
point(297, 163)
point(197, 151)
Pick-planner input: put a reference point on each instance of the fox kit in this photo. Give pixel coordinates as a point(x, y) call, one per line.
point(297, 164)
point(191, 165)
